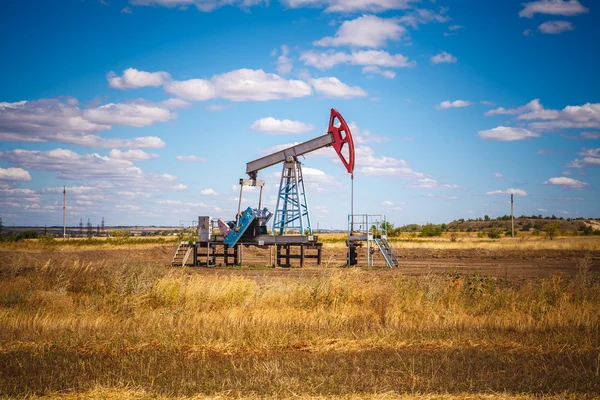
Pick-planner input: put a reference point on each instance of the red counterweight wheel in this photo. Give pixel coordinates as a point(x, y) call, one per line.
point(342, 137)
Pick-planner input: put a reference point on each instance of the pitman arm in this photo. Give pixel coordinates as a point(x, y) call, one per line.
point(338, 136)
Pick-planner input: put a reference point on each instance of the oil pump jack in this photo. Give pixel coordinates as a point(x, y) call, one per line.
point(291, 212)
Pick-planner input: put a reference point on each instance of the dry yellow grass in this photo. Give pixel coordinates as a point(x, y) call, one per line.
point(111, 329)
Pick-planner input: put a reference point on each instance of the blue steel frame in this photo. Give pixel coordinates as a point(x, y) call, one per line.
point(292, 209)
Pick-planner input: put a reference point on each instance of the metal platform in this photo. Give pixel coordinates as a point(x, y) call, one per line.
point(283, 251)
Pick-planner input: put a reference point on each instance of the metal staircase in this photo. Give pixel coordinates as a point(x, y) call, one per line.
point(182, 254)
point(386, 252)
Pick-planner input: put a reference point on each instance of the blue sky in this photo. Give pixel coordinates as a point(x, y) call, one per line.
point(148, 110)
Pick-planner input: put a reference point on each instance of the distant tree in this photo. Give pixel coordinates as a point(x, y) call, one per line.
point(386, 226)
point(430, 230)
point(486, 217)
point(494, 233)
point(551, 230)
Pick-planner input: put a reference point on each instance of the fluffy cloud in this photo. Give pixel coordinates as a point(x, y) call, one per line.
point(191, 159)
point(570, 117)
point(201, 5)
point(380, 58)
point(364, 136)
point(132, 79)
point(61, 120)
point(444, 105)
point(375, 70)
point(284, 63)
point(14, 174)
point(498, 175)
point(533, 105)
point(505, 133)
point(365, 31)
point(400, 172)
point(591, 159)
point(333, 87)
point(344, 6)
point(555, 27)
point(566, 183)
point(131, 155)
point(584, 116)
point(443, 57)
point(240, 85)
point(276, 126)
point(428, 183)
point(208, 192)
point(552, 7)
point(516, 192)
point(71, 165)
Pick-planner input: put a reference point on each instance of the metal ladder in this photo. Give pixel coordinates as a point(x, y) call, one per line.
point(182, 254)
point(386, 252)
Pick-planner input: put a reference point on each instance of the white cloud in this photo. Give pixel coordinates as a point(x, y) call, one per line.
point(208, 192)
point(131, 155)
point(128, 207)
point(387, 203)
point(570, 117)
point(443, 57)
point(455, 27)
point(276, 126)
point(591, 159)
point(364, 136)
point(19, 195)
point(566, 182)
point(590, 135)
point(505, 133)
point(365, 156)
point(555, 27)
point(533, 105)
point(446, 104)
point(216, 107)
point(169, 202)
point(333, 87)
point(516, 192)
point(428, 183)
point(373, 69)
point(180, 187)
point(77, 190)
point(14, 174)
point(201, 5)
point(191, 159)
point(380, 58)
point(541, 210)
point(240, 85)
point(284, 63)
point(498, 175)
point(134, 194)
point(71, 165)
point(133, 79)
point(61, 120)
point(365, 31)
point(401, 172)
point(126, 10)
point(431, 196)
point(552, 7)
point(345, 6)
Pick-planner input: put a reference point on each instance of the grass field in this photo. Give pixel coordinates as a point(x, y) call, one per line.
point(135, 328)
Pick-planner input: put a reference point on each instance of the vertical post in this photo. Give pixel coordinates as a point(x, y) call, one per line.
point(352, 201)
point(512, 216)
point(260, 197)
point(64, 211)
point(237, 217)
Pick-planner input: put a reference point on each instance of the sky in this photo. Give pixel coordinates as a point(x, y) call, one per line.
point(149, 110)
